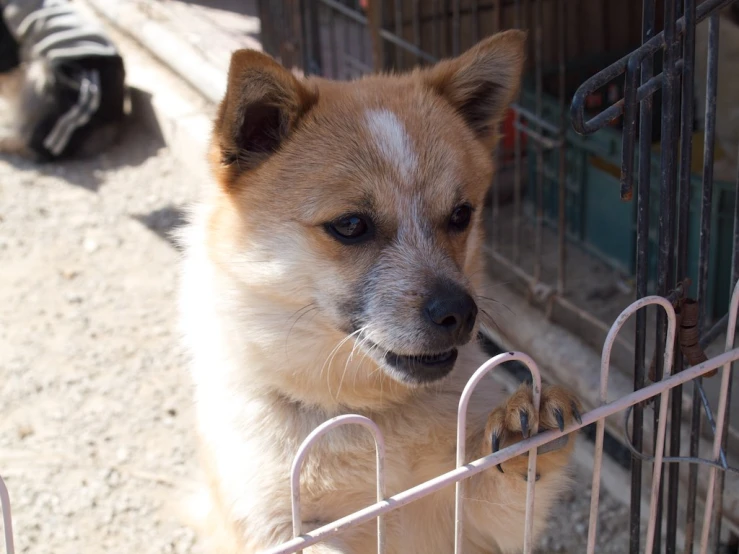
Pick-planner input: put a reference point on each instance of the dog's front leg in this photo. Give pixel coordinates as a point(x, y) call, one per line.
point(496, 499)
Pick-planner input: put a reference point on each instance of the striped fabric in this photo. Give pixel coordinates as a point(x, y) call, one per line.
point(54, 32)
point(79, 114)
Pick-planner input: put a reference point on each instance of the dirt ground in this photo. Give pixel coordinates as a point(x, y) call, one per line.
point(94, 441)
point(95, 403)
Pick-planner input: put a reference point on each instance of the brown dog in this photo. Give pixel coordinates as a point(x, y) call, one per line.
point(334, 269)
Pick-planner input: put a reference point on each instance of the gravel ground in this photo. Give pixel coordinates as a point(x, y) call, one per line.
point(95, 442)
point(568, 529)
point(95, 405)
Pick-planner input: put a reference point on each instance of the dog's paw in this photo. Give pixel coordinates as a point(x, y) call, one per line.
point(516, 420)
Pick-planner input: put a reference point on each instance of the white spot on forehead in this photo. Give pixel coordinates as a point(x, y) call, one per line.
point(412, 221)
point(392, 141)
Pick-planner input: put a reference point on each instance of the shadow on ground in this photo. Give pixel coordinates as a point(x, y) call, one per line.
point(163, 222)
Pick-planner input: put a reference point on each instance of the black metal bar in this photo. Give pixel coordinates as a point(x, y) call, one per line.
point(495, 189)
point(580, 30)
point(398, 17)
point(647, 89)
point(642, 275)
point(311, 40)
point(518, 15)
point(525, 22)
point(708, 159)
point(686, 139)
point(517, 162)
point(605, 76)
point(455, 27)
point(436, 29)
point(605, 27)
point(346, 69)
point(332, 45)
point(498, 14)
point(666, 258)
point(562, 177)
point(628, 134)
point(684, 220)
point(735, 253)
point(496, 223)
point(538, 23)
point(362, 40)
point(705, 235)
point(475, 21)
point(417, 27)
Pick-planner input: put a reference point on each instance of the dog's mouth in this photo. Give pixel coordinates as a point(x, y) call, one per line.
point(422, 368)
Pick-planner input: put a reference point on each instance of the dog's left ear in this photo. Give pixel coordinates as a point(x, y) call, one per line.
point(482, 82)
point(262, 106)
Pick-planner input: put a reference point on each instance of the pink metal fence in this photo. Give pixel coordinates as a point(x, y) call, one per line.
point(541, 441)
point(7, 521)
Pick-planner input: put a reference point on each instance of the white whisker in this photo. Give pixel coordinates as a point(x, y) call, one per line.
point(330, 358)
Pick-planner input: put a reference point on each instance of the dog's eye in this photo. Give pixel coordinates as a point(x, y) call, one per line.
point(460, 218)
point(351, 229)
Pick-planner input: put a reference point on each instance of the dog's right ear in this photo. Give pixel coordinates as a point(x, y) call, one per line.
point(262, 105)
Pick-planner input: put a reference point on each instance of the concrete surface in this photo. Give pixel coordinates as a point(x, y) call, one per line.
point(94, 434)
point(194, 39)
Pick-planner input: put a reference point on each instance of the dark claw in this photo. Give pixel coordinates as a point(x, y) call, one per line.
point(560, 419)
point(524, 423)
point(496, 447)
point(526, 477)
point(576, 413)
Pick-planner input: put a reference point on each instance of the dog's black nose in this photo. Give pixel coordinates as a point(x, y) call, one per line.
point(451, 310)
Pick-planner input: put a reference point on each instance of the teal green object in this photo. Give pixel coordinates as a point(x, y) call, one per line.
point(601, 223)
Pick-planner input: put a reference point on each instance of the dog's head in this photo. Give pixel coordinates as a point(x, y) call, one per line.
point(364, 199)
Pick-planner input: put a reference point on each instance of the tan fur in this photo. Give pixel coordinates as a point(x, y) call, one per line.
point(268, 297)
